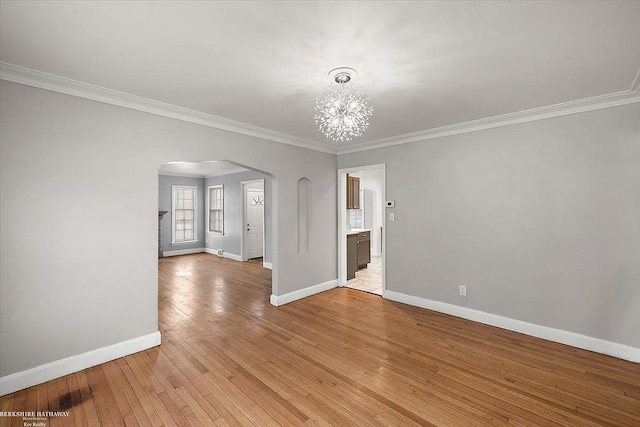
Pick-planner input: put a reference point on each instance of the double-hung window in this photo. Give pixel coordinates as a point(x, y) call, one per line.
point(216, 209)
point(184, 214)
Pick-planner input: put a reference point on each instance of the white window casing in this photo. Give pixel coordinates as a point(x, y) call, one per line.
point(183, 214)
point(216, 209)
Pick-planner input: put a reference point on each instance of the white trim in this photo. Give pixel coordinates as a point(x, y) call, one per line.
point(186, 242)
point(39, 79)
point(268, 265)
point(201, 250)
point(232, 256)
point(69, 365)
point(208, 224)
point(183, 252)
point(563, 109)
point(228, 255)
point(194, 188)
point(342, 226)
point(279, 300)
point(573, 339)
point(342, 220)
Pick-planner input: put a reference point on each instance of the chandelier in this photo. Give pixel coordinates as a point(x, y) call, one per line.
point(342, 114)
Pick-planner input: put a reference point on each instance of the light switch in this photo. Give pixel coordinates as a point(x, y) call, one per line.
point(392, 216)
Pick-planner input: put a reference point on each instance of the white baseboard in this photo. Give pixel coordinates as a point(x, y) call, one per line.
point(69, 365)
point(232, 256)
point(183, 252)
point(573, 339)
point(224, 254)
point(211, 251)
point(268, 265)
point(279, 300)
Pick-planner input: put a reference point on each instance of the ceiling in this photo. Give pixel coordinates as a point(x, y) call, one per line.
point(200, 169)
point(424, 65)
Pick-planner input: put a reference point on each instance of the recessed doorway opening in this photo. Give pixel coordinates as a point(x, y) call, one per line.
point(362, 228)
point(253, 213)
point(207, 201)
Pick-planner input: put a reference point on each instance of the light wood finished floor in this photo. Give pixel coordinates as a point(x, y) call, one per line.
point(340, 358)
point(368, 279)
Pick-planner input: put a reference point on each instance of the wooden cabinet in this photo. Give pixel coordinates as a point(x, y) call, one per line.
point(352, 256)
point(364, 249)
point(358, 252)
point(353, 192)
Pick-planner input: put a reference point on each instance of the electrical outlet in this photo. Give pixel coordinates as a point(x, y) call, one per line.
point(463, 290)
point(392, 216)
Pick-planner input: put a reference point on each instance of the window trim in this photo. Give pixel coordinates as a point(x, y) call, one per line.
point(173, 214)
point(209, 230)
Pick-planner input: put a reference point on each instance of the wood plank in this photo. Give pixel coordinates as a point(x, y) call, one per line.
point(86, 394)
point(342, 357)
point(18, 402)
point(75, 399)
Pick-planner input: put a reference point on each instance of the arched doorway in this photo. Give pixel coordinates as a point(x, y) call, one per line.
point(205, 212)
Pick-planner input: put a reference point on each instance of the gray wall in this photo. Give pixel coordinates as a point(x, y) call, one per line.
point(541, 221)
point(84, 175)
point(164, 204)
point(231, 240)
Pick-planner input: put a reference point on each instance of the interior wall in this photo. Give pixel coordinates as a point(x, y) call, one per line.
point(231, 240)
point(165, 196)
point(99, 285)
point(539, 220)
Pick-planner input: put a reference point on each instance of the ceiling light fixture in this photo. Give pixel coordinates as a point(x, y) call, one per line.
point(342, 114)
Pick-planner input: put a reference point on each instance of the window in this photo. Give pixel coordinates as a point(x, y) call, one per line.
point(183, 220)
point(216, 209)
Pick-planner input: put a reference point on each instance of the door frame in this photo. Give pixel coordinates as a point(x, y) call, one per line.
point(243, 246)
point(342, 221)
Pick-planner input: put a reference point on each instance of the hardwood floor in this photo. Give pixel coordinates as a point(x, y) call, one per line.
point(339, 358)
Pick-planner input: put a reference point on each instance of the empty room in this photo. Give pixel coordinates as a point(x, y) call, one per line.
point(375, 213)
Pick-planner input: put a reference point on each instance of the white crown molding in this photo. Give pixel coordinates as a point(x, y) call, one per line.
point(39, 79)
point(29, 77)
point(557, 110)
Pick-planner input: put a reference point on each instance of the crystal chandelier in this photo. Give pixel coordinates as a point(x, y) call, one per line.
point(342, 114)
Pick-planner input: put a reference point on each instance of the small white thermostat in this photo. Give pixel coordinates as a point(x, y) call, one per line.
point(390, 203)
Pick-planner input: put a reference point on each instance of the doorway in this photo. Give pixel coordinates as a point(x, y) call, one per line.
point(368, 221)
point(224, 241)
point(253, 239)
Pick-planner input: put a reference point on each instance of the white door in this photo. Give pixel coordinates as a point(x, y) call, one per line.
point(254, 230)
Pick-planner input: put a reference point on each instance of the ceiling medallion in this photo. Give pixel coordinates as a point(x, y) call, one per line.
point(342, 114)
